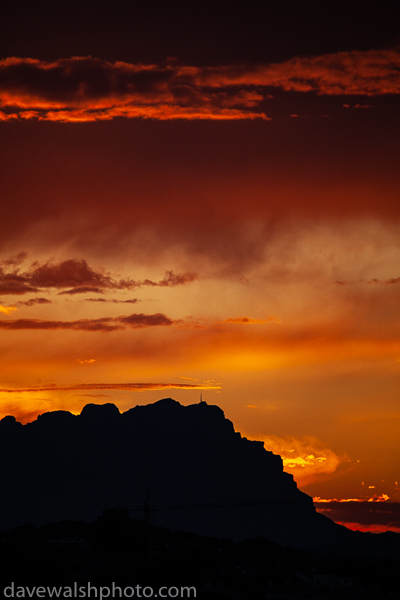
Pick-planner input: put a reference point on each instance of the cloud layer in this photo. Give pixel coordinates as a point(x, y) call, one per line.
point(91, 89)
point(364, 516)
point(77, 276)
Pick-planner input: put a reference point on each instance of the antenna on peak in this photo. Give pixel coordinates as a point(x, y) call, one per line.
point(201, 397)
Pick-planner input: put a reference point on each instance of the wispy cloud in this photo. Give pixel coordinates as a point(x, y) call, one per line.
point(170, 279)
point(369, 73)
point(390, 281)
point(95, 395)
point(105, 324)
point(10, 286)
point(250, 321)
point(113, 386)
point(34, 301)
point(113, 300)
point(90, 89)
point(84, 289)
point(373, 281)
point(14, 261)
point(141, 320)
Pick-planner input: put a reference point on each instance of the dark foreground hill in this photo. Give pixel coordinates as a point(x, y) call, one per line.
point(71, 556)
point(192, 466)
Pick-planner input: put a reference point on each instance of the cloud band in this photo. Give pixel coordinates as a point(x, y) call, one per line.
point(92, 89)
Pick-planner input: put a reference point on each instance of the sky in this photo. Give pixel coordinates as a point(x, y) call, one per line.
point(205, 200)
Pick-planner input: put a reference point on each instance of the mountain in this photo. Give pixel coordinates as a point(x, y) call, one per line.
point(188, 462)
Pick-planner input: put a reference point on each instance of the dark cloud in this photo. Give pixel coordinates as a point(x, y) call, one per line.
point(82, 290)
point(370, 73)
point(89, 89)
point(364, 513)
point(68, 273)
point(141, 320)
point(12, 281)
point(34, 301)
point(103, 324)
point(106, 324)
point(77, 276)
point(171, 279)
point(15, 288)
point(72, 273)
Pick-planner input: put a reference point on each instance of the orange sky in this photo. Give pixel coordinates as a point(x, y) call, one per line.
point(230, 226)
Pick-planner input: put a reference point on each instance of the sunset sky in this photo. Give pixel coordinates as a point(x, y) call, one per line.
point(201, 199)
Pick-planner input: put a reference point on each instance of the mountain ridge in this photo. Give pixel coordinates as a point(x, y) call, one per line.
point(63, 466)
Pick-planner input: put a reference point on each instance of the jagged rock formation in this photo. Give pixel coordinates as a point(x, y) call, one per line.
point(63, 466)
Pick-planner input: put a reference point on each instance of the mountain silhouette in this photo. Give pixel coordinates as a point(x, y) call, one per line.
point(186, 464)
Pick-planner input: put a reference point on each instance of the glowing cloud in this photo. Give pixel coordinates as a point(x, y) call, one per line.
point(91, 89)
point(304, 458)
point(7, 310)
point(375, 498)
